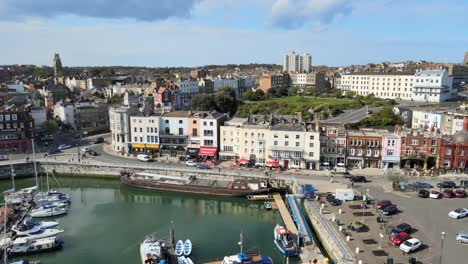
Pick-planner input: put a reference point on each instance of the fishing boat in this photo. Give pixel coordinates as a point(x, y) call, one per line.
point(24, 245)
point(48, 212)
point(192, 184)
point(267, 205)
point(152, 250)
point(179, 248)
point(284, 241)
point(246, 258)
point(187, 247)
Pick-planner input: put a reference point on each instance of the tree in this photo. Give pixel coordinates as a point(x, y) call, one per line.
point(294, 90)
point(259, 94)
point(203, 102)
point(115, 99)
point(225, 103)
point(44, 72)
point(50, 127)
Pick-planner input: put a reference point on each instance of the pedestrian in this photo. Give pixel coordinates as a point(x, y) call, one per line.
point(219, 170)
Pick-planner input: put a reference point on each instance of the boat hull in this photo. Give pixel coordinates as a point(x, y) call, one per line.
point(205, 190)
point(57, 246)
point(284, 251)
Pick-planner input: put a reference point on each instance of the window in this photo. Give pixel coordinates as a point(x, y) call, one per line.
point(166, 121)
point(418, 153)
point(194, 132)
point(311, 154)
point(448, 151)
point(208, 142)
point(135, 129)
point(414, 142)
point(408, 152)
point(194, 122)
point(368, 152)
point(390, 152)
point(181, 131)
point(286, 136)
point(297, 144)
point(286, 143)
point(141, 139)
point(359, 152)
point(14, 117)
point(275, 135)
point(311, 137)
point(297, 162)
point(211, 123)
point(1, 117)
point(181, 121)
point(7, 117)
point(141, 129)
point(275, 143)
point(433, 142)
point(297, 136)
point(147, 129)
point(148, 139)
point(311, 145)
point(204, 123)
point(351, 152)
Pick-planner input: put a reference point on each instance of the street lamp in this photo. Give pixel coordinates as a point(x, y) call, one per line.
point(441, 246)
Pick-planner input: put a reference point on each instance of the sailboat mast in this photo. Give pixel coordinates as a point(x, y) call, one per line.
point(47, 172)
point(12, 173)
point(241, 242)
point(34, 160)
point(4, 233)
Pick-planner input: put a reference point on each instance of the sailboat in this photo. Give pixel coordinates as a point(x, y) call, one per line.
point(246, 258)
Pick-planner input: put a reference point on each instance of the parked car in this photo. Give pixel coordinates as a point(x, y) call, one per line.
point(419, 184)
point(99, 140)
point(460, 193)
point(3, 157)
point(458, 213)
point(400, 238)
point(191, 163)
point(144, 157)
point(464, 184)
point(383, 203)
point(446, 184)
point(403, 227)
point(64, 146)
point(390, 210)
point(358, 179)
point(462, 237)
point(54, 151)
point(410, 245)
point(423, 193)
point(447, 193)
point(203, 167)
point(434, 194)
point(84, 150)
point(332, 200)
point(92, 153)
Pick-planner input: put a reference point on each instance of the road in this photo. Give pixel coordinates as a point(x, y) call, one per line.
point(350, 116)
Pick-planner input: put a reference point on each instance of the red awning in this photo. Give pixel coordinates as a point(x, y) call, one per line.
point(272, 163)
point(243, 160)
point(207, 151)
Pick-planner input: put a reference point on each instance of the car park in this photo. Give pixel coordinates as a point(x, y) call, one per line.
point(64, 146)
point(400, 238)
point(358, 179)
point(3, 157)
point(460, 193)
point(434, 194)
point(447, 193)
point(390, 210)
point(203, 167)
point(382, 204)
point(191, 163)
point(332, 200)
point(410, 245)
point(446, 184)
point(403, 227)
point(419, 185)
point(462, 237)
point(423, 193)
point(458, 213)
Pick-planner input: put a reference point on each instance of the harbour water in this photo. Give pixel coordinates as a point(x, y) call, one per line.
point(107, 222)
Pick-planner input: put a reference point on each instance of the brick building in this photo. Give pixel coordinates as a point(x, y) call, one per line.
point(453, 151)
point(364, 149)
point(419, 149)
point(16, 126)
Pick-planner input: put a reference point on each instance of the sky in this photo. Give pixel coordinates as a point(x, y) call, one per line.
point(161, 33)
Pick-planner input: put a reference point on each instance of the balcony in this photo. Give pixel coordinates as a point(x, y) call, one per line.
point(293, 149)
point(170, 136)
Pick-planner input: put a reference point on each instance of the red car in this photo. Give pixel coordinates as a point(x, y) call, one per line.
point(460, 193)
point(400, 238)
point(447, 193)
point(383, 203)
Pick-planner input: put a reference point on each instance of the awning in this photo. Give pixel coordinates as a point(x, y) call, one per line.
point(243, 161)
point(272, 163)
point(208, 151)
point(152, 146)
point(192, 151)
point(138, 145)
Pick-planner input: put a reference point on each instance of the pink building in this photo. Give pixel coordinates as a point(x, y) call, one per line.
point(391, 149)
point(167, 97)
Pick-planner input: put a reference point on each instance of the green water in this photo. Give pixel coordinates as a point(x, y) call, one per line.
point(107, 222)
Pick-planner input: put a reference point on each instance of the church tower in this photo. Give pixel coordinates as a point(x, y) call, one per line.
point(57, 66)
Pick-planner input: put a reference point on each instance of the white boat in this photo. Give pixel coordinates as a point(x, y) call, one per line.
point(43, 224)
point(179, 248)
point(187, 247)
point(25, 262)
point(41, 233)
point(189, 260)
point(151, 249)
point(54, 211)
point(182, 260)
point(53, 204)
point(24, 245)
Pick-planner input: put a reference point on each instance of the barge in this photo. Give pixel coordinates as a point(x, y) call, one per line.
point(192, 184)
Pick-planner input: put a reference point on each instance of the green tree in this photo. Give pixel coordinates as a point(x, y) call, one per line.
point(282, 91)
point(50, 127)
point(248, 95)
point(44, 72)
point(294, 90)
point(115, 99)
point(203, 102)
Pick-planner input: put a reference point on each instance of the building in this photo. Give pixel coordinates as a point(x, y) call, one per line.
point(58, 71)
point(144, 133)
point(75, 82)
point(274, 81)
point(119, 123)
point(210, 124)
point(405, 113)
point(419, 149)
point(433, 86)
point(65, 113)
point(383, 85)
point(187, 89)
point(459, 74)
point(297, 63)
point(194, 134)
point(206, 85)
point(465, 59)
point(16, 126)
point(364, 149)
point(453, 150)
point(332, 146)
point(39, 115)
point(199, 73)
point(311, 80)
point(87, 117)
point(219, 83)
point(425, 119)
point(173, 133)
point(391, 150)
point(167, 97)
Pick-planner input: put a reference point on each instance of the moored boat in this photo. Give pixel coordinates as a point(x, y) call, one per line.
point(152, 250)
point(187, 247)
point(23, 245)
point(41, 233)
point(267, 205)
point(239, 187)
point(179, 248)
point(243, 258)
point(48, 212)
point(284, 241)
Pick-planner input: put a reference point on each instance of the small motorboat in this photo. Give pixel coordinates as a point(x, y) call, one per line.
point(285, 242)
point(42, 224)
point(48, 212)
point(267, 205)
point(23, 245)
point(182, 260)
point(42, 233)
point(151, 250)
point(187, 247)
point(25, 262)
point(189, 261)
point(242, 258)
point(179, 248)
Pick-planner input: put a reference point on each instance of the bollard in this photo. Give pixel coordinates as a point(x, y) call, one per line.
point(348, 238)
point(357, 250)
point(333, 219)
point(340, 228)
point(323, 205)
point(339, 211)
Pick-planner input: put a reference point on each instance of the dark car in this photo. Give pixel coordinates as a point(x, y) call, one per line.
point(446, 184)
point(423, 193)
point(333, 201)
point(448, 193)
point(382, 204)
point(54, 151)
point(92, 153)
point(403, 227)
point(464, 184)
point(390, 210)
point(99, 140)
point(419, 184)
point(358, 179)
point(203, 167)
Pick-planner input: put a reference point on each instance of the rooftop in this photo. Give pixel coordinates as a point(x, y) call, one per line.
point(429, 72)
point(378, 73)
point(177, 114)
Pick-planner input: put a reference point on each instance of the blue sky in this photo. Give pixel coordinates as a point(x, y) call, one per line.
point(200, 32)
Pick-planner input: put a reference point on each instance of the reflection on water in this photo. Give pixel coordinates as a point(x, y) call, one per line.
point(107, 222)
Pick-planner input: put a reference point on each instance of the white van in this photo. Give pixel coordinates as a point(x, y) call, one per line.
point(84, 150)
point(144, 157)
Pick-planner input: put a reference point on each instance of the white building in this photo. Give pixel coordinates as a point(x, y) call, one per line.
point(433, 86)
point(187, 89)
point(219, 83)
point(39, 116)
point(382, 85)
point(65, 112)
point(427, 119)
point(297, 63)
point(119, 122)
point(145, 133)
point(209, 128)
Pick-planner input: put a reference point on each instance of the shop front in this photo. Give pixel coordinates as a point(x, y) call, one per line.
point(150, 149)
point(173, 151)
point(192, 152)
point(15, 146)
point(208, 153)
